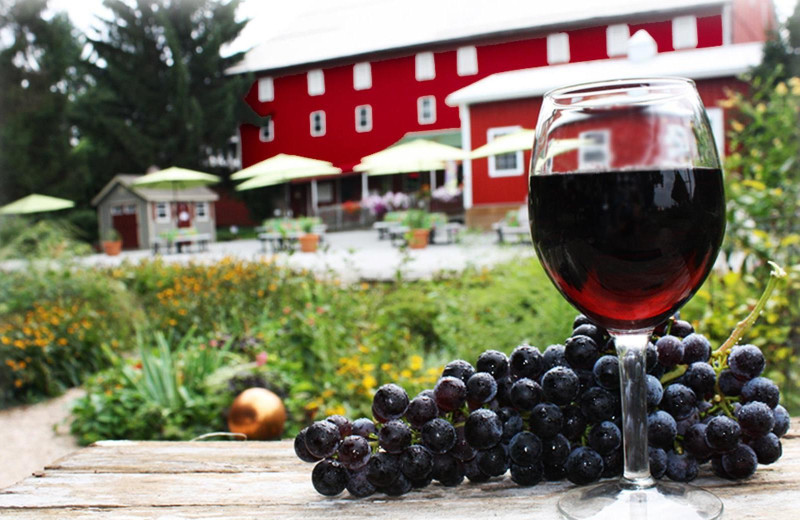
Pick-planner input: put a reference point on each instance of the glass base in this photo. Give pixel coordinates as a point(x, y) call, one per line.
point(664, 501)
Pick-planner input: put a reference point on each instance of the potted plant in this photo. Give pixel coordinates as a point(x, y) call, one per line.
point(308, 240)
point(112, 242)
point(419, 224)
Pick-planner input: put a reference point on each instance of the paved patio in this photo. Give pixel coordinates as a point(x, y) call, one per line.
point(353, 255)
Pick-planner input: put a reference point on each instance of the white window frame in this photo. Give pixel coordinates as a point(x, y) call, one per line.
point(424, 66)
point(617, 36)
point(368, 126)
point(117, 210)
point(165, 217)
point(201, 214)
point(322, 126)
point(604, 147)
point(557, 48)
point(270, 132)
point(316, 82)
point(467, 61)
point(494, 171)
point(362, 76)
point(421, 112)
point(684, 32)
point(266, 89)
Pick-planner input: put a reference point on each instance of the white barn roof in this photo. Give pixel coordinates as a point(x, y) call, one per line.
point(348, 28)
point(712, 62)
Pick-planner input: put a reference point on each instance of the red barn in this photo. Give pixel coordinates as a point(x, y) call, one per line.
point(355, 76)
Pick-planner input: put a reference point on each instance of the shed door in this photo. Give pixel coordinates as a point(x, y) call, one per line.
point(125, 222)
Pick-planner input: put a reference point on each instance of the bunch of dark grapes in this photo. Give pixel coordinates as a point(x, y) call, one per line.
point(556, 414)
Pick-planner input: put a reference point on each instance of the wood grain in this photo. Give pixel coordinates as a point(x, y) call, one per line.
point(215, 480)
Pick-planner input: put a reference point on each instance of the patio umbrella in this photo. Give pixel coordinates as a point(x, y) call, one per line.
point(271, 179)
point(285, 164)
point(35, 203)
point(513, 142)
point(416, 155)
point(175, 178)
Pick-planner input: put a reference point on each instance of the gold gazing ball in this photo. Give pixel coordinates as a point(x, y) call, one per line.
point(257, 413)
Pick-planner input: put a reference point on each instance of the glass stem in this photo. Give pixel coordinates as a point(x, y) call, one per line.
point(631, 350)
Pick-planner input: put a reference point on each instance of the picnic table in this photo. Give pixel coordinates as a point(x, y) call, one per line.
point(181, 241)
point(246, 480)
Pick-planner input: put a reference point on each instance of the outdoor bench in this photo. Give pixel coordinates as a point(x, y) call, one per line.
point(181, 242)
point(224, 480)
point(506, 233)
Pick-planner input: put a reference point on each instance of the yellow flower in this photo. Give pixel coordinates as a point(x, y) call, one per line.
point(406, 373)
point(363, 349)
point(761, 108)
point(18, 383)
point(369, 382)
point(260, 293)
point(416, 362)
point(737, 126)
point(273, 287)
point(6, 340)
point(781, 89)
point(62, 341)
point(172, 322)
point(364, 286)
point(19, 343)
point(335, 410)
point(54, 320)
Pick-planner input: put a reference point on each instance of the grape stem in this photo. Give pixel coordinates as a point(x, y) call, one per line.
point(743, 326)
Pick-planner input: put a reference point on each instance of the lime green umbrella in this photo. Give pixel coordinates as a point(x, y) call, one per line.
point(513, 142)
point(175, 178)
point(35, 203)
point(411, 156)
point(287, 166)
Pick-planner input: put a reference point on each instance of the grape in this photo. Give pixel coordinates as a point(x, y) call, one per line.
point(300, 447)
point(598, 404)
point(382, 469)
point(416, 463)
point(746, 362)
point(364, 427)
point(554, 356)
point(670, 351)
point(322, 439)
point(701, 378)
point(555, 450)
point(717, 469)
point(474, 473)
point(481, 388)
point(579, 320)
point(661, 429)
point(651, 356)
point(696, 348)
point(483, 429)
point(450, 393)
point(655, 392)
point(342, 423)
point(493, 362)
point(560, 385)
point(399, 487)
point(681, 467)
point(438, 435)
point(767, 448)
point(526, 475)
point(596, 333)
point(722, 434)
point(681, 328)
point(525, 449)
point(729, 384)
point(756, 419)
point(678, 400)
point(761, 389)
point(606, 372)
point(395, 436)
point(546, 420)
point(686, 422)
point(605, 437)
point(462, 450)
point(389, 403)
point(554, 473)
point(420, 410)
point(358, 485)
point(525, 394)
point(694, 442)
point(493, 461)
point(581, 352)
point(781, 421)
point(741, 462)
point(459, 369)
point(503, 388)
point(512, 423)
point(583, 466)
point(574, 423)
point(448, 470)
point(658, 461)
point(329, 477)
point(612, 464)
point(525, 361)
point(421, 483)
point(354, 452)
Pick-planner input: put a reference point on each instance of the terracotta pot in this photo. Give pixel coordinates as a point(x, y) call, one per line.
point(112, 248)
point(308, 242)
point(418, 238)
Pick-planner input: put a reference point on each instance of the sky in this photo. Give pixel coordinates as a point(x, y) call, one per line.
point(265, 14)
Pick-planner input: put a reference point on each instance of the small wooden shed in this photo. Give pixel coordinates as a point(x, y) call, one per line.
point(142, 215)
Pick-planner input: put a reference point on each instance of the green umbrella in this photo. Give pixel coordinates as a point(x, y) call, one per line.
point(175, 178)
point(35, 204)
point(288, 167)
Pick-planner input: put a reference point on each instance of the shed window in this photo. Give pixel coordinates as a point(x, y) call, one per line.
point(617, 39)
point(506, 164)
point(594, 152)
point(130, 209)
point(116, 210)
point(467, 61)
point(557, 48)
point(362, 76)
point(201, 210)
point(363, 118)
point(266, 90)
point(316, 82)
point(684, 32)
point(317, 123)
point(424, 66)
point(162, 211)
point(426, 110)
point(267, 132)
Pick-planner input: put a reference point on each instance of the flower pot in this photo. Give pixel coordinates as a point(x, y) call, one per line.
point(112, 248)
point(308, 242)
point(418, 238)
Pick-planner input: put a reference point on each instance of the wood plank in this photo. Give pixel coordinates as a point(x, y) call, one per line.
point(171, 480)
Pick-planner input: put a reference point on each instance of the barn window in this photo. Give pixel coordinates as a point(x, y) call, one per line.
point(266, 90)
point(162, 211)
point(426, 110)
point(201, 210)
point(267, 132)
point(467, 61)
point(557, 48)
point(317, 123)
point(594, 151)
point(506, 164)
point(684, 32)
point(424, 66)
point(363, 118)
point(617, 39)
point(316, 82)
point(362, 76)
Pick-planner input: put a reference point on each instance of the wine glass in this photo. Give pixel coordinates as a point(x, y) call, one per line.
point(627, 213)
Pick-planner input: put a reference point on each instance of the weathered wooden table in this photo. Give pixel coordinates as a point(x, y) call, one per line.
point(240, 480)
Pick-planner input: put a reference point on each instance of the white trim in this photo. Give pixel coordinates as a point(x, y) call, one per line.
point(424, 66)
point(266, 89)
point(466, 145)
point(322, 124)
point(314, 197)
point(166, 218)
point(204, 217)
point(684, 32)
point(364, 185)
point(557, 48)
point(316, 82)
point(431, 115)
point(494, 171)
point(716, 120)
point(617, 36)
point(362, 76)
point(368, 126)
point(270, 132)
point(467, 60)
point(727, 24)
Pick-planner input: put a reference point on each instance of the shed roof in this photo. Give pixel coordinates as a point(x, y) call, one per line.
point(327, 31)
point(712, 62)
point(201, 194)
